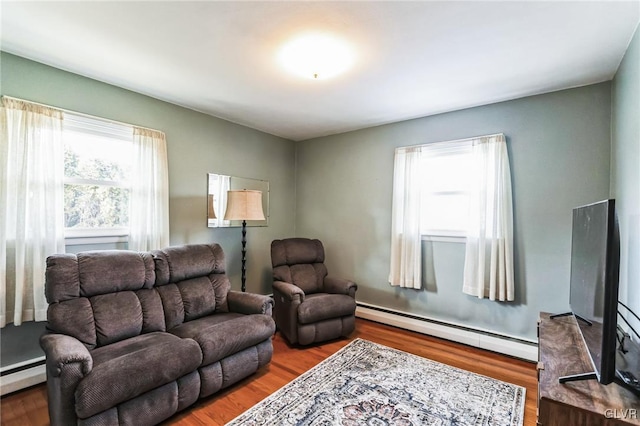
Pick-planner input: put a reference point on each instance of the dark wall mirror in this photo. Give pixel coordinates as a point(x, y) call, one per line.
point(218, 185)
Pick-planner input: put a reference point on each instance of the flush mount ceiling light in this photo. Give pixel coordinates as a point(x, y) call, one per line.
point(316, 56)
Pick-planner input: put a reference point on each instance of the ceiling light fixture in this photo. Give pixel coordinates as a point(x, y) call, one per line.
point(316, 56)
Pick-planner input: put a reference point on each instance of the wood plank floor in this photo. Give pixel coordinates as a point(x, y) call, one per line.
point(29, 407)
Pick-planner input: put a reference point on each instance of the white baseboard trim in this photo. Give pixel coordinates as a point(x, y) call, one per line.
point(22, 379)
point(504, 345)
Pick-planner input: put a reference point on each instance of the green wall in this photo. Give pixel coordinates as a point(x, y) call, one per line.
point(197, 144)
point(559, 148)
point(625, 171)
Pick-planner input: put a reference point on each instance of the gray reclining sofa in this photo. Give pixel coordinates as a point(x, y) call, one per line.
point(135, 337)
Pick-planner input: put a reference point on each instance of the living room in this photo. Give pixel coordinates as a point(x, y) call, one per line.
point(570, 146)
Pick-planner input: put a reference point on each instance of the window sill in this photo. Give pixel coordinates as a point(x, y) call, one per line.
point(110, 239)
point(445, 238)
point(75, 237)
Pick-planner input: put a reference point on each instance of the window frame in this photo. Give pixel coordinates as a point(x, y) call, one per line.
point(80, 123)
point(445, 149)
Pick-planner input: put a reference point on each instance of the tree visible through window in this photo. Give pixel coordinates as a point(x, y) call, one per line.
point(97, 169)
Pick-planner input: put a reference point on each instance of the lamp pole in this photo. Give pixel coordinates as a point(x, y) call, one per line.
point(244, 256)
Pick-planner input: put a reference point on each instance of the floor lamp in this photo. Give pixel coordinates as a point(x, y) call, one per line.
point(244, 205)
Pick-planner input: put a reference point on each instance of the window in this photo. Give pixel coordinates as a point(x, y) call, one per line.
point(97, 177)
point(455, 189)
point(445, 189)
point(67, 175)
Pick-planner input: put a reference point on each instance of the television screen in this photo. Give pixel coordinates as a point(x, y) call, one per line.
point(595, 251)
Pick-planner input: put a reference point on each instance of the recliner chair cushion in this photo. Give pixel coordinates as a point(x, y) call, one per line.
point(224, 334)
point(308, 277)
point(322, 306)
point(296, 251)
point(131, 367)
point(299, 261)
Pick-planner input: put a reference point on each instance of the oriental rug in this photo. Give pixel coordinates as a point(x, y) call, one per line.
point(365, 383)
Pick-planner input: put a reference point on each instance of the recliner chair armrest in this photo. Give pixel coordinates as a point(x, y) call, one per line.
point(288, 290)
point(68, 362)
point(249, 303)
point(62, 350)
point(340, 286)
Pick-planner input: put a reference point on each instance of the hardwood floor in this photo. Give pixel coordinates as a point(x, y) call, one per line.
point(29, 407)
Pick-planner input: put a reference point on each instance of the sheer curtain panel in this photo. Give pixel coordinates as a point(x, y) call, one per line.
point(31, 203)
point(223, 185)
point(488, 267)
point(149, 204)
point(406, 265)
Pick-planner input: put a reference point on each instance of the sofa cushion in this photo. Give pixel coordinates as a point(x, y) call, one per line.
point(191, 282)
point(108, 271)
point(62, 280)
point(191, 328)
point(179, 263)
point(152, 310)
point(223, 334)
point(128, 368)
point(172, 305)
point(118, 316)
point(97, 272)
point(322, 306)
point(92, 296)
point(198, 298)
point(73, 317)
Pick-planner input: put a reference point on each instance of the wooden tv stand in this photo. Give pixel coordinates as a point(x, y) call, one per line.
point(561, 352)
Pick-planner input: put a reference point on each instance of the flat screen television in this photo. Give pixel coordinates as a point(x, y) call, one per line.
point(595, 265)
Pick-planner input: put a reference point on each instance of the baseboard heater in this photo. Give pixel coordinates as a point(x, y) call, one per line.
point(506, 345)
point(21, 375)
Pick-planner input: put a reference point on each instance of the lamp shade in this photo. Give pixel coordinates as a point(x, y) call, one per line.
point(244, 205)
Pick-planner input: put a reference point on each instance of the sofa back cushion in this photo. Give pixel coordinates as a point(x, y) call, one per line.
point(299, 261)
point(101, 297)
point(191, 282)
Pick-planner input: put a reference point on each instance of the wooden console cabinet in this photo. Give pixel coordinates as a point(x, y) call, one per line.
point(561, 352)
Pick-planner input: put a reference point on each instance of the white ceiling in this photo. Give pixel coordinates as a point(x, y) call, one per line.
point(413, 58)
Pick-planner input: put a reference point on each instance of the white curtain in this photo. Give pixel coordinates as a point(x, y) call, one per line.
point(222, 185)
point(488, 267)
point(31, 206)
point(406, 265)
point(149, 203)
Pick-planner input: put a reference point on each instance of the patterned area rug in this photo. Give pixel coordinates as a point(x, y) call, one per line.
point(369, 384)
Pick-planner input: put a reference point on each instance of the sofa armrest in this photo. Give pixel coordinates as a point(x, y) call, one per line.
point(61, 351)
point(249, 303)
point(340, 286)
point(68, 362)
point(289, 291)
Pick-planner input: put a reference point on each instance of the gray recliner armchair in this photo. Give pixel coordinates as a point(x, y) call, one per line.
point(310, 307)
